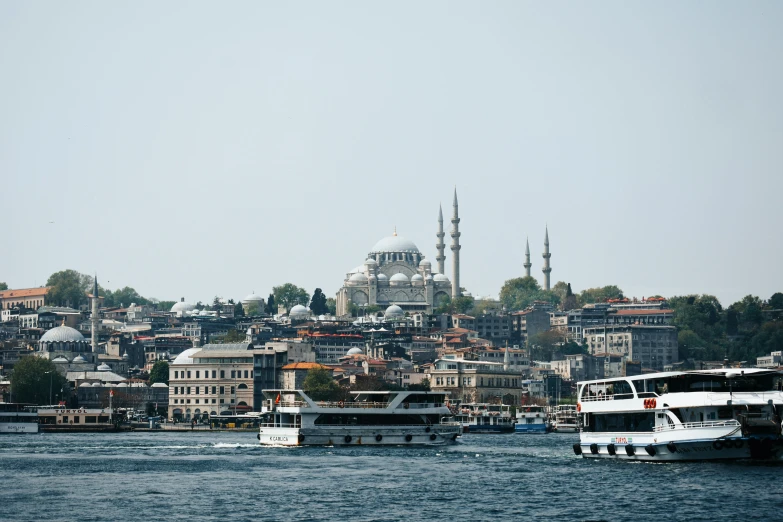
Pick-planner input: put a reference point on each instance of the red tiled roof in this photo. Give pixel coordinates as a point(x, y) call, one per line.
point(24, 292)
point(305, 366)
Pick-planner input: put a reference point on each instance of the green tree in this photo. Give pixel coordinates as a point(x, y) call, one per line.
point(68, 287)
point(519, 293)
point(163, 306)
point(320, 385)
point(560, 290)
point(331, 304)
point(424, 385)
point(289, 295)
point(239, 311)
point(600, 294)
point(271, 307)
point(123, 297)
point(444, 306)
point(543, 344)
point(159, 372)
point(35, 380)
point(234, 336)
point(776, 301)
point(217, 306)
point(3, 286)
point(463, 304)
point(253, 309)
point(318, 303)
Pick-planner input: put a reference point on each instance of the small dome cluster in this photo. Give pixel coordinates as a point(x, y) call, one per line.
point(299, 312)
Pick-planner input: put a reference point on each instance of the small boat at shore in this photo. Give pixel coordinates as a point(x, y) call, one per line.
point(727, 413)
point(565, 419)
point(292, 418)
point(485, 418)
point(532, 419)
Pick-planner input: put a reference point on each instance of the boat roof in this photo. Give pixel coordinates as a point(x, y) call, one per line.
point(284, 390)
point(727, 372)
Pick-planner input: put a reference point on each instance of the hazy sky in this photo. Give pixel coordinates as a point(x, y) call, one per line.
point(197, 149)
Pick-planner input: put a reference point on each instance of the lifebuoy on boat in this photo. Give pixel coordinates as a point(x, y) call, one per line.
point(718, 445)
point(341, 404)
point(433, 437)
point(408, 437)
point(379, 437)
point(348, 439)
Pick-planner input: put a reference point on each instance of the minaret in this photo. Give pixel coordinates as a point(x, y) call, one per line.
point(441, 246)
point(506, 359)
point(94, 315)
point(547, 269)
point(527, 263)
point(455, 290)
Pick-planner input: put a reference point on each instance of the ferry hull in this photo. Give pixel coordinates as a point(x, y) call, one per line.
point(711, 449)
point(530, 428)
point(478, 428)
point(361, 436)
point(19, 427)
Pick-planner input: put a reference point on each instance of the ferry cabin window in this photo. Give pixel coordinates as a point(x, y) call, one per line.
point(621, 422)
point(644, 387)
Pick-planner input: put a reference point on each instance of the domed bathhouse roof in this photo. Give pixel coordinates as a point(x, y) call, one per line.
point(60, 359)
point(394, 312)
point(79, 359)
point(182, 307)
point(62, 334)
point(252, 298)
point(417, 277)
point(85, 385)
point(441, 277)
point(104, 368)
point(300, 312)
point(159, 385)
point(395, 243)
point(355, 351)
point(185, 356)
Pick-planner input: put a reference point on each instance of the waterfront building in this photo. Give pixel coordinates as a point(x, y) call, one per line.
point(294, 374)
point(773, 360)
point(530, 322)
point(476, 381)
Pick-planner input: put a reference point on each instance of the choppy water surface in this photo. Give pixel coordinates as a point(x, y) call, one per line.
point(199, 476)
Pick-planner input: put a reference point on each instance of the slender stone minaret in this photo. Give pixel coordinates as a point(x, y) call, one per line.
point(441, 246)
point(455, 247)
point(547, 269)
point(527, 264)
point(94, 315)
point(506, 359)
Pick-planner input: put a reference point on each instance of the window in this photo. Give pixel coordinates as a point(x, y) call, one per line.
point(176, 374)
point(245, 374)
point(233, 374)
point(188, 374)
point(222, 375)
point(222, 391)
point(188, 390)
point(214, 390)
point(196, 390)
point(198, 374)
point(233, 390)
point(214, 374)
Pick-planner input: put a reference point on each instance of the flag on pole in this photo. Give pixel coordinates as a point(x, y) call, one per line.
point(111, 393)
point(277, 401)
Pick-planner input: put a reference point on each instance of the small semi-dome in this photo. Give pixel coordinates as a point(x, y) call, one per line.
point(440, 277)
point(358, 278)
point(62, 334)
point(383, 277)
point(104, 368)
point(85, 385)
point(399, 279)
point(182, 307)
point(371, 262)
point(96, 385)
point(159, 385)
point(299, 312)
point(79, 359)
point(122, 385)
point(355, 351)
point(425, 262)
point(185, 356)
point(60, 359)
point(394, 312)
point(417, 277)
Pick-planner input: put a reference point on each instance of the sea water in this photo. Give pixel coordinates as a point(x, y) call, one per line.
point(228, 476)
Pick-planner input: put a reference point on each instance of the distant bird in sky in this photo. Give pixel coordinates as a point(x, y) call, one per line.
point(51, 222)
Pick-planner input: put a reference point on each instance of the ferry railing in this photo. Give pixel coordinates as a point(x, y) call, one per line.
point(294, 425)
point(695, 425)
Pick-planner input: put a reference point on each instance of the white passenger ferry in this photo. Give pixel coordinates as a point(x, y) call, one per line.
point(369, 418)
point(532, 419)
point(18, 418)
point(699, 415)
point(485, 418)
point(565, 419)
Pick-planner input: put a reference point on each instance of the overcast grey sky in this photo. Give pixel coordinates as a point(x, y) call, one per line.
point(198, 149)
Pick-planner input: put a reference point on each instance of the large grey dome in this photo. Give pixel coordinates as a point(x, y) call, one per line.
point(62, 334)
point(395, 244)
point(253, 298)
point(182, 306)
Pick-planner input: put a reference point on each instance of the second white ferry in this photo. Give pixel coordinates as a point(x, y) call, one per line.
point(371, 418)
point(18, 418)
point(698, 415)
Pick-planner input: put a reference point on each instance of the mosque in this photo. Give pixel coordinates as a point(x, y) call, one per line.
point(396, 275)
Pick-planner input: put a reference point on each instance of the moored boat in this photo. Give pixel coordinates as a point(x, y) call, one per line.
point(485, 418)
point(565, 419)
point(292, 418)
point(698, 415)
point(18, 418)
point(532, 419)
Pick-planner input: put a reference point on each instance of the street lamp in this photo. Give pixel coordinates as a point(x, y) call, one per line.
point(50, 385)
